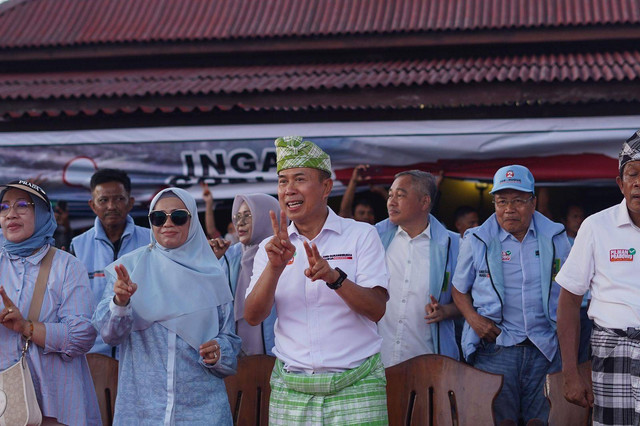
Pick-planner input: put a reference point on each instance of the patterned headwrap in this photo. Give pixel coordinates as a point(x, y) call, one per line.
point(630, 150)
point(292, 152)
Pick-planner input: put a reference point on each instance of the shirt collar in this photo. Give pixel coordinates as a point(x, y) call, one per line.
point(622, 215)
point(34, 258)
point(331, 223)
point(102, 235)
point(426, 233)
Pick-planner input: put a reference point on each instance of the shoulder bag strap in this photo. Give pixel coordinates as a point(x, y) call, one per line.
point(41, 285)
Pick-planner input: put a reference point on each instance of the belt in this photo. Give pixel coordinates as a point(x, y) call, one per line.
point(525, 342)
point(629, 333)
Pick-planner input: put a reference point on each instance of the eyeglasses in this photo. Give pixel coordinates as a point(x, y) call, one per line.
point(516, 202)
point(178, 217)
point(238, 217)
point(20, 207)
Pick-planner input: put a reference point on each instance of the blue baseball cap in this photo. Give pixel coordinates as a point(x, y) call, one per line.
point(513, 177)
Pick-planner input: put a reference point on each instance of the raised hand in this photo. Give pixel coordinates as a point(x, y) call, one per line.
point(279, 249)
point(123, 287)
point(358, 174)
point(10, 315)
point(319, 268)
point(207, 196)
point(210, 352)
point(219, 246)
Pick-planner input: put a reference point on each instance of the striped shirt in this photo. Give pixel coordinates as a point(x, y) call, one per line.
point(60, 372)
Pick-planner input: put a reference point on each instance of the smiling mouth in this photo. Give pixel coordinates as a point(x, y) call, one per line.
point(293, 204)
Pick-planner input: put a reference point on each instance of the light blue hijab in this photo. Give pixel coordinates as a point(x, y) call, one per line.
point(45, 226)
point(179, 288)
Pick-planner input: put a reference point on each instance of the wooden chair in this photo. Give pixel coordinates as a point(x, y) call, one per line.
point(249, 390)
point(564, 413)
point(104, 371)
point(438, 390)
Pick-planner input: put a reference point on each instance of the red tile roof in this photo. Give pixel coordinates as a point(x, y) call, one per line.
point(328, 78)
point(41, 23)
point(596, 67)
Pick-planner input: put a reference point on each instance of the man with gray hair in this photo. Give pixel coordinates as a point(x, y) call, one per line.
point(604, 260)
point(421, 256)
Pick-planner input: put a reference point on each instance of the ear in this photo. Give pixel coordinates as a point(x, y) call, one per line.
point(619, 182)
point(130, 204)
point(426, 203)
point(93, 207)
point(327, 187)
point(535, 202)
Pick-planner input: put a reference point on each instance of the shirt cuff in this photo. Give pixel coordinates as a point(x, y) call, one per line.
point(56, 337)
point(120, 311)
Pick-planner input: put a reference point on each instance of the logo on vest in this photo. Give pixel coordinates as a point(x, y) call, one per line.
point(506, 256)
point(621, 255)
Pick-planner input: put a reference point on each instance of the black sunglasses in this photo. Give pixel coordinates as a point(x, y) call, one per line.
point(178, 217)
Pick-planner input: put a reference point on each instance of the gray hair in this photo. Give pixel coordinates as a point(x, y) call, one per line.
point(423, 182)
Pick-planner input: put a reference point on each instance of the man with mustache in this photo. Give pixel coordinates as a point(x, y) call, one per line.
point(113, 234)
point(327, 278)
point(504, 286)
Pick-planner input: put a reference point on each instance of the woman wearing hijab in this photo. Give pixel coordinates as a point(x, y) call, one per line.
point(250, 215)
point(63, 333)
point(168, 307)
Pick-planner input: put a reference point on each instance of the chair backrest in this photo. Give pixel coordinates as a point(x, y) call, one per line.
point(435, 390)
point(249, 390)
point(564, 413)
point(104, 371)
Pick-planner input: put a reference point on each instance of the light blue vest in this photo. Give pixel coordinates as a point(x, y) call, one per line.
point(487, 290)
point(95, 250)
point(231, 265)
point(444, 246)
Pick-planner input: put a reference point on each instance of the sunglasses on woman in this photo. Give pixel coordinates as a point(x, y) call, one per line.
point(178, 217)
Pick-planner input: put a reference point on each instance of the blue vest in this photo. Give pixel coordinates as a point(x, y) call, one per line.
point(487, 290)
point(444, 246)
point(231, 265)
point(95, 250)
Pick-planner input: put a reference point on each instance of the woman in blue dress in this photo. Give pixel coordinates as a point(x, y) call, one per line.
point(169, 308)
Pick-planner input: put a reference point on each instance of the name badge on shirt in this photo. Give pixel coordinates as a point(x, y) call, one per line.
point(621, 255)
point(506, 256)
point(96, 274)
point(484, 273)
point(339, 256)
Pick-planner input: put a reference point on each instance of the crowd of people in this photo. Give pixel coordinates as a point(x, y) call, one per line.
point(335, 300)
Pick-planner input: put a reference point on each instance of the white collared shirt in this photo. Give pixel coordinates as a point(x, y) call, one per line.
point(604, 259)
point(316, 331)
point(405, 333)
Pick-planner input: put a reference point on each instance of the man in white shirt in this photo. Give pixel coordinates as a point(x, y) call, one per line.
point(421, 255)
point(604, 260)
point(329, 286)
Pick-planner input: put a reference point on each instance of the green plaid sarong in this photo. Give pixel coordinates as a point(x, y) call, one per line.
point(354, 397)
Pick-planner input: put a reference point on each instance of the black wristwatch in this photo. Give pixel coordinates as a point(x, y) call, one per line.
point(336, 285)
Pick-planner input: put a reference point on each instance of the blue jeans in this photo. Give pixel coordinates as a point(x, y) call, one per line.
point(524, 369)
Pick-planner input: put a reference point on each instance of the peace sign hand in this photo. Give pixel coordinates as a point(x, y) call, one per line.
point(10, 316)
point(319, 268)
point(123, 287)
point(279, 249)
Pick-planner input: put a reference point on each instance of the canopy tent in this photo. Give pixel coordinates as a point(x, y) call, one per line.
point(241, 158)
